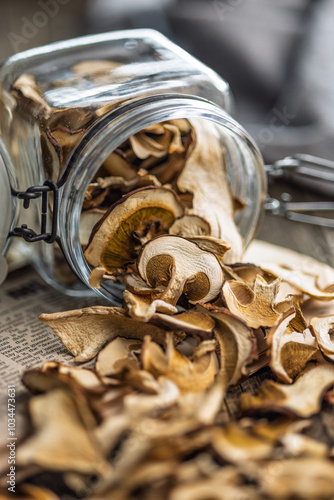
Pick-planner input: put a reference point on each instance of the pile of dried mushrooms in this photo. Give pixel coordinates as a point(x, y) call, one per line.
point(150, 420)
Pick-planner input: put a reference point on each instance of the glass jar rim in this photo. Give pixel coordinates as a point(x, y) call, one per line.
point(113, 129)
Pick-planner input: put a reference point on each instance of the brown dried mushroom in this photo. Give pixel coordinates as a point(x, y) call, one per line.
point(117, 237)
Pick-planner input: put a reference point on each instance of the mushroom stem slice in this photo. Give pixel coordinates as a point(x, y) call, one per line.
point(302, 398)
point(182, 266)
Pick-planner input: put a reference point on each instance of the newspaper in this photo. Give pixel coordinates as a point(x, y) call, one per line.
point(24, 340)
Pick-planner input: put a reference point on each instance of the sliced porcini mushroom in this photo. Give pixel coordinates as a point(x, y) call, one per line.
point(323, 329)
point(118, 360)
point(237, 444)
point(85, 331)
point(118, 165)
point(98, 276)
point(255, 306)
point(124, 186)
point(193, 322)
point(261, 253)
point(236, 343)
point(304, 281)
point(196, 375)
point(292, 345)
point(135, 284)
point(190, 225)
point(307, 478)
point(157, 140)
point(213, 245)
point(142, 308)
point(212, 197)
point(60, 442)
point(302, 398)
point(88, 220)
point(183, 267)
point(55, 374)
point(113, 243)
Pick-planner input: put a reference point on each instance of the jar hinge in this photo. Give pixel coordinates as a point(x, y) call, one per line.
point(316, 174)
point(33, 193)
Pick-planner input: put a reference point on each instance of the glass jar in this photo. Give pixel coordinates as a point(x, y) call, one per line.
point(66, 106)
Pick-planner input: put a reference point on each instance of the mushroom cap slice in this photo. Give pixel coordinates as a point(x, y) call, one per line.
point(85, 331)
point(113, 242)
point(254, 306)
point(292, 345)
point(302, 398)
point(323, 329)
point(190, 225)
point(181, 265)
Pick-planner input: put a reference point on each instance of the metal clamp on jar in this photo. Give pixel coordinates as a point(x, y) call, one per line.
point(65, 108)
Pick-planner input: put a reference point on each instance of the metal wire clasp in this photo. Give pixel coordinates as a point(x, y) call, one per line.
point(32, 193)
point(315, 173)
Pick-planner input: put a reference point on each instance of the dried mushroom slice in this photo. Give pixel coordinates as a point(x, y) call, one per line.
point(236, 344)
point(85, 331)
point(237, 444)
point(193, 376)
point(302, 398)
point(307, 478)
point(88, 220)
point(256, 307)
point(193, 322)
point(261, 252)
point(304, 281)
point(205, 176)
point(182, 267)
point(142, 308)
point(61, 442)
point(323, 329)
point(190, 225)
point(116, 238)
point(292, 345)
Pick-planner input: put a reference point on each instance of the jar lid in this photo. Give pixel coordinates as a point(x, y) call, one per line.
point(5, 217)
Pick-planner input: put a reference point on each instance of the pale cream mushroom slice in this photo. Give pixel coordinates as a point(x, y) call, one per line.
point(205, 176)
point(213, 245)
point(85, 331)
point(302, 398)
point(182, 267)
point(323, 329)
point(261, 253)
point(189, 375)
point(292, 346)
point(255, 306)
point(116, 238)
point(190, 225)
point(61, 441)
point(236, 344)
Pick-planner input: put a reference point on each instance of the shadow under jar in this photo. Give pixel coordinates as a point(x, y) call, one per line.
point(66, 107)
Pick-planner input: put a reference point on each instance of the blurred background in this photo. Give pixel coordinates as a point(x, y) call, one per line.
point(276, 56)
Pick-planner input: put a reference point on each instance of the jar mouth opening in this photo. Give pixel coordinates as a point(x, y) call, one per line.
point(244, 167)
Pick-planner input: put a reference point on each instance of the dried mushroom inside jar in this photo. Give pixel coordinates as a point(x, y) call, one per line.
point(168, 179)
